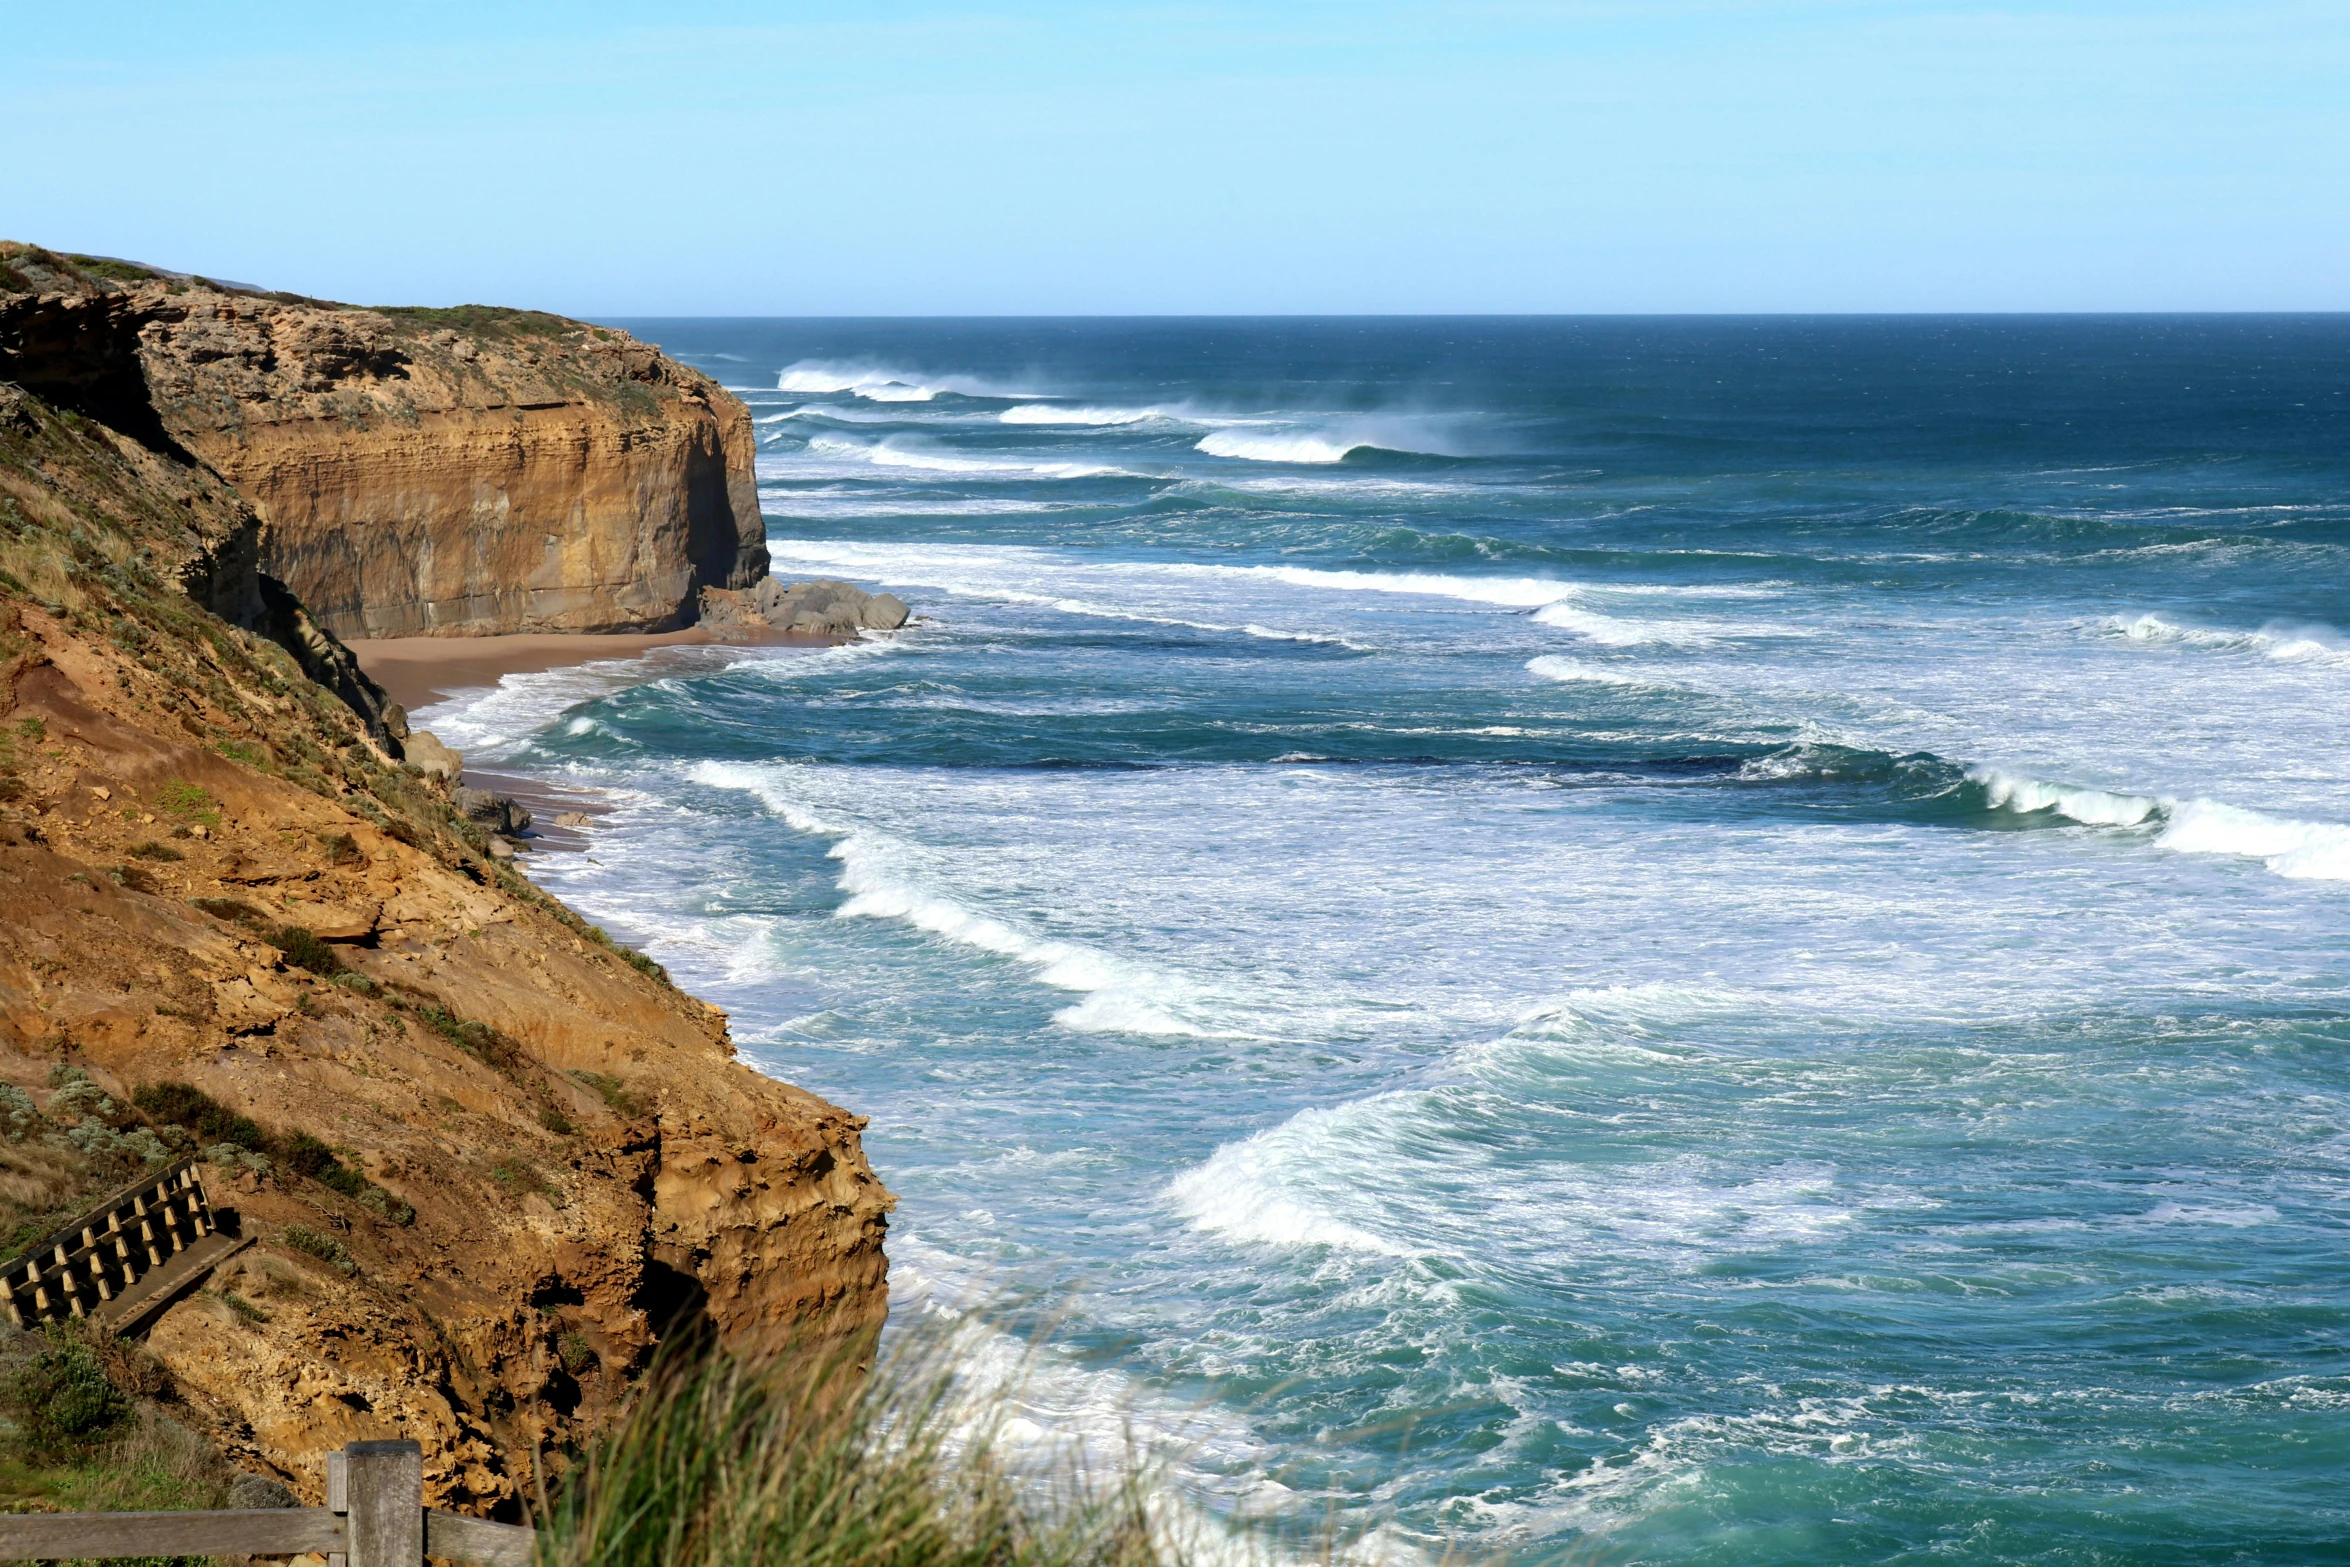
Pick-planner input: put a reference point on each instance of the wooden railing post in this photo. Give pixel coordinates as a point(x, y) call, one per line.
point(338, 1497)
point(386, 1483)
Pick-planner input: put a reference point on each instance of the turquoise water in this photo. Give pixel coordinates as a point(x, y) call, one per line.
point(1666, 941)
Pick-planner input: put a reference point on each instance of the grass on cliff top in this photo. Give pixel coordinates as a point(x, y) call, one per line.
point(489, 321)
point(809, 1460)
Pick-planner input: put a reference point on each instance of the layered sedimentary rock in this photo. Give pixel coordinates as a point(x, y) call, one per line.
point(550, 1154)
point(416, 472)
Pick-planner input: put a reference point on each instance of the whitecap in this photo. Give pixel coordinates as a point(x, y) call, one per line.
point(881, 383)
point(1278, 448)
point(1242, 1193)
point(898, 454)
point(2284, 641)
point(2314, 851)
point(888, 879)
point(1574, 671)
point(1322, 442)
point(2090, 807)
point(1050, 413)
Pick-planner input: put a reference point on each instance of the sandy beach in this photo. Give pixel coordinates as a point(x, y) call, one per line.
point(419, 671)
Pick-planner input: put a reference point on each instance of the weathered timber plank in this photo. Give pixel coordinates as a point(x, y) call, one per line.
point(259, 1531)
point(386, 1480)
point(477, 1539)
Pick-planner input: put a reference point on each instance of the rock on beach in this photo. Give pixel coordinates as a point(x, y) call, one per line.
point(824, 607)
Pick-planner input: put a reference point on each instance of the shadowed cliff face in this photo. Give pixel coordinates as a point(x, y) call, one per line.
point(556, 1150)
point(421, 472)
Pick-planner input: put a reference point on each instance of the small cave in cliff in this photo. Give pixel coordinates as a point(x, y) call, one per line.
point(674, 1302)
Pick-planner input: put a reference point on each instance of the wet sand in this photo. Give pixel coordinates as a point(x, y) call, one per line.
point(419, 671)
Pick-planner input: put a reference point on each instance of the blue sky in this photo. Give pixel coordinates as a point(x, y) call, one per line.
point(1284, 156)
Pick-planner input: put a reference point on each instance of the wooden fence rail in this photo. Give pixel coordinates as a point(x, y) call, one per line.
point(375, 1517)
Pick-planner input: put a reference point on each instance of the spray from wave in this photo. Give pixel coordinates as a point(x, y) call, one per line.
point(1049, 413)
point(882, 384)
point(1320, 442)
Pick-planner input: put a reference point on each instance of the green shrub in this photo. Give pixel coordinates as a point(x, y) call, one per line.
point(229, 909)
point(306, 951)
point(151, 850)
point(184, 799)
point(185, 1105)
point(615, 1094)
point(556, 1121)
point(479, 1040)
point(118, 271)
point(61, 1400)
point(324, 1247)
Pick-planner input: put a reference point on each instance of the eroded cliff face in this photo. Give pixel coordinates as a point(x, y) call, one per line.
point(419, 472)
point(583, 1157)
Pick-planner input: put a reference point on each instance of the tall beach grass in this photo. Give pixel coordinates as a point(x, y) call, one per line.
point(815, 1459)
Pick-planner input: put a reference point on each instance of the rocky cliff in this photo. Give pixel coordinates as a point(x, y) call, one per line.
point(486, 1158)
point(416, 472)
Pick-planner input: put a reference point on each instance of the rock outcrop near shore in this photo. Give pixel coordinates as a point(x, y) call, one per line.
point(417, 472)
point(826, 607)
point(487, 1158)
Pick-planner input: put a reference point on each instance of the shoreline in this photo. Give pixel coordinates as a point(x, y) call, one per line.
point(419, 671)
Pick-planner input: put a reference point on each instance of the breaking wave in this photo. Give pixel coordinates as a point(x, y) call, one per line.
point(1048, 413)
point(895, 454)
point(882, 384)
point(2090, 807)
point(1574, 671)
point(885, 879)
point(2287, 846)
point(2285, 642)
point(1325, 444)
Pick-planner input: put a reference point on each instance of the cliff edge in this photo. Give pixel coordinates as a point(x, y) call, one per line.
point(486, 1159)
point(416, 472)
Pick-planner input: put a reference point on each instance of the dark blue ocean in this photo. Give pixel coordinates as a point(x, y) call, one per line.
point(1686, 941)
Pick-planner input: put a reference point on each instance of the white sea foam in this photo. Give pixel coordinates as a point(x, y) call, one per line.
point(2091, 807)
point(1509, 592)
point(1054, 413)
point(1621, 631)
point(887, 878)
point(2313, 851)
point(893, 453)
point(1242, 1194)
point(2285, 642)
point(1322, 442)
point(1279, 448)
point(881, 383)
point(2304, 850)
point(1574, 671)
